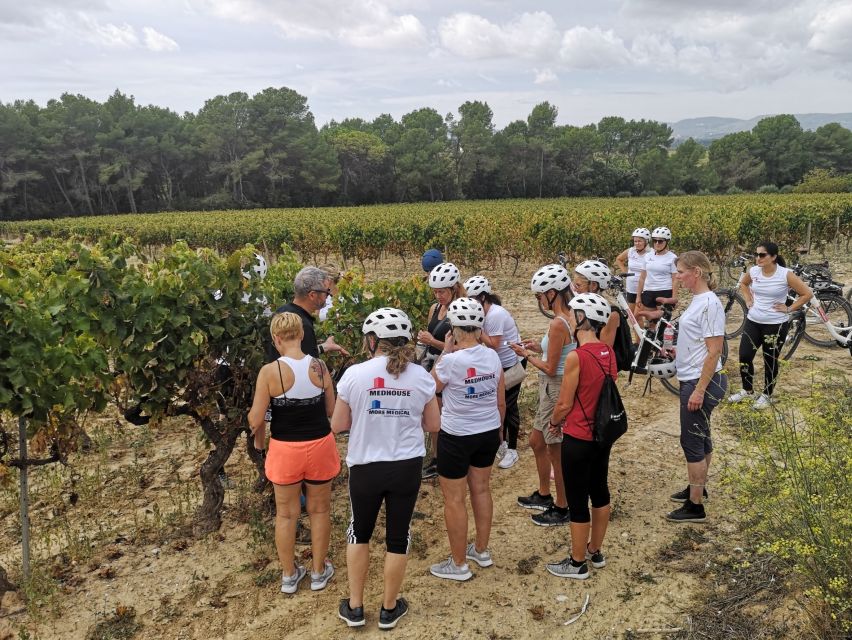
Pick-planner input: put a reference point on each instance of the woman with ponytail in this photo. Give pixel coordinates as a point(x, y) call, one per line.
point(386, 405)
point(585, 463)
point(701, 336)
point(765, 287)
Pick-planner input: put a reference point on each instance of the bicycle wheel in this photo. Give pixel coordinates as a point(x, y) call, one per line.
point(794, 336)
point(735, 312)
point(839, 314)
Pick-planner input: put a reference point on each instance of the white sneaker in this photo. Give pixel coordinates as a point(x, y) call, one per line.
point(509, 459)
point(482, 558)
point(451, 571)
point(741, 395)
point(763, 402)
point(501, 451)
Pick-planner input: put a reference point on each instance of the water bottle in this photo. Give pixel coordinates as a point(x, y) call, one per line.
point(668, 337)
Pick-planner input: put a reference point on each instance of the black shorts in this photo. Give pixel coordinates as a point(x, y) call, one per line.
point(630, 297)
point(649, 298)
point(456, 454)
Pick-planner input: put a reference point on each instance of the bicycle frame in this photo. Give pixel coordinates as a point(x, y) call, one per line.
point(843, 335)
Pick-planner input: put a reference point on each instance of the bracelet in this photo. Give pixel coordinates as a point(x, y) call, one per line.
point(321, 349)
point(558, 424)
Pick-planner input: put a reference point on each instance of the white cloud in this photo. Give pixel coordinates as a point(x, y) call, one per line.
point(158, 42)
point(366, 24)
point(832, 31)
point(530, 36)
point(584, 48)
point(544, 76)
point(108, 34)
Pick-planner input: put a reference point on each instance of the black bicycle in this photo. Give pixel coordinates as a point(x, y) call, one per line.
point(732, 300)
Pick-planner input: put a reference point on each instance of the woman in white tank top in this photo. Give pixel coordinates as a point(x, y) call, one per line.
point(632, 260)
point(766, 287)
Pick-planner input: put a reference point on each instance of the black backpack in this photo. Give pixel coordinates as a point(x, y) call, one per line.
point(610, 416)
point(623, 345)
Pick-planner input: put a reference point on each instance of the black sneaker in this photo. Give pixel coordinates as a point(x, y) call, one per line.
point(536, 501)
point(681, 496)
point(553, 517)
point(688, 512)
point(389, 617)
point(352, 617)
point(597, 558)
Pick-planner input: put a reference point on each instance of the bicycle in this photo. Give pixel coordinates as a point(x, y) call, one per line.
point(833, 310)
point(840, 334)
point(733, 302)
point(651, 356)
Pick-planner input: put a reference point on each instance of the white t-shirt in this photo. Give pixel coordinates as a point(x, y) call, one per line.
point(659, 270)
point(471, 377)
point(635, 264)
point(387, 412)
point(499, 322)
point(703, 318)
point(767, 292)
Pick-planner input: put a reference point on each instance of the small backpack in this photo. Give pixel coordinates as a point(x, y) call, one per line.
point(610, 416)
point(623, 345)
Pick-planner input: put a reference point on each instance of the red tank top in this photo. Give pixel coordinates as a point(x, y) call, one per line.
point(578, 422)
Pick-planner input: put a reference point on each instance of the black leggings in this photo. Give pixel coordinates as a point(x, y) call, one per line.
point(585, 468)
point(512, 420)
point(771, 338)
point(397, 483)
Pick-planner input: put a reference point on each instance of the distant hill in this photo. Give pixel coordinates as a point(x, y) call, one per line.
point(708, 129)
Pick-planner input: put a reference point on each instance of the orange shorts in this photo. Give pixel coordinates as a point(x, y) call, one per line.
point(312, 461)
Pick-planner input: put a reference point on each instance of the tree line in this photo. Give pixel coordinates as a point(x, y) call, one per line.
point(77, 156)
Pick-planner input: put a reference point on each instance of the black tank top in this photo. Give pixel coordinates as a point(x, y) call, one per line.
point(298, 419)
point(438, 328)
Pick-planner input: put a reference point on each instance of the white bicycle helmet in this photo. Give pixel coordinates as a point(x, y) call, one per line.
point(388, 322)
point(662, 368)
point(595, 271)
point(259, 268)
point(550, 276)
point(662, 233)
point(594, 306)
point(443, 276)
point(641, 232)
point(476, 285)
point(466, 312)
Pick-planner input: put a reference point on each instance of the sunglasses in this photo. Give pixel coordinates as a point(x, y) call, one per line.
point(760, 254)
point(659, 240)
point(325, 291)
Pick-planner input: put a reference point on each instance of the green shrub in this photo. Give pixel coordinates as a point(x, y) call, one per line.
point(787, 188)
point(768, 188)
point(796, 488)
point(650, 193)
point(624, 194)
point(676, 192)
point(733, 190)
point(825, 181)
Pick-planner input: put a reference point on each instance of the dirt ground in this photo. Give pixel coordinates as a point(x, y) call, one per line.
point(110, 531)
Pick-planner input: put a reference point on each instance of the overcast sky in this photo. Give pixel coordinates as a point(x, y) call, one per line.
point(659, 59)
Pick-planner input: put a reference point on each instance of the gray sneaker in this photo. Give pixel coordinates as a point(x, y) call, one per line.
point(566, 569)
point(449, 570)
point(290, 584)
point(482, 558)
point(319, 580)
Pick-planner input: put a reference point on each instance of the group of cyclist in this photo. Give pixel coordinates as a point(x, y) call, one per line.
point(461, 386)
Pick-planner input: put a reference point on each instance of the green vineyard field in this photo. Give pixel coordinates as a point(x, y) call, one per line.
point(480, 232)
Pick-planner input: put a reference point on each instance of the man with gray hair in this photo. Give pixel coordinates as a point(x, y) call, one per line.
point(311, 288)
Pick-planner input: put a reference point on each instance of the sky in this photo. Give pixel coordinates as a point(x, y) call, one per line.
point(659, 59)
